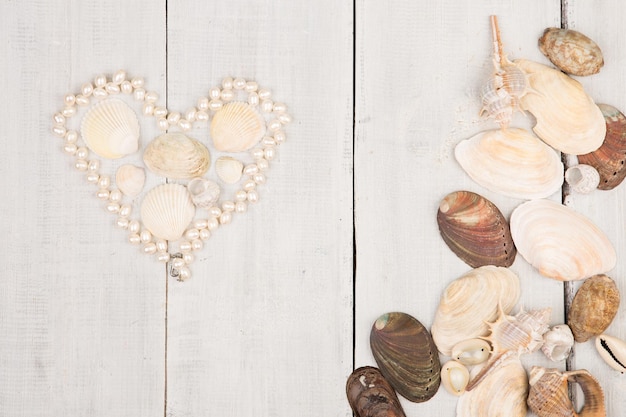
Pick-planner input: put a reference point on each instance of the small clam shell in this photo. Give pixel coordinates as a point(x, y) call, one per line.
point(370, 394)
point(594, 306)
point(571, 51)
point(406, 355)
point(130, 179)
point(558, 342)
point(582, 178)
point(204, 193)
point(175, 155)
point(229, 169)
point(237, 127)
point(475, 230)
point(613, 351)
point(454, 377)
point(167, 210)
point(471, 352)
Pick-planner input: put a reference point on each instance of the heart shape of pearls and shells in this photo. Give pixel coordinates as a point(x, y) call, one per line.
point(176, 216)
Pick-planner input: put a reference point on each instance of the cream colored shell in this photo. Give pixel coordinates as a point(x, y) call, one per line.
point(454, 377)
point(229, 169)
point(558, 342)
point(237, 127)
point(471, 351)
point(204, 193)
point(167, 210)
point(130, 179)
point(582, 178)
point(177, 156)
point(613, 351)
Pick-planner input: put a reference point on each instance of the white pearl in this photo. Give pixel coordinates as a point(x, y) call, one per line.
point(268, 141)
point(274, 124)
point(190, 114)
point(185, 246)
point(69, 111)
point(134, 239)
point(139, 94)
point(173, 117)
point(112, 88)
point(251, 86)
point(203, 103)
point(269, 153)
point(126, 87)
point(160, 112)
point(125, 210)
point(205, 234)
point(257, 153)
point(267, 106)
point(137, 82)
point(59, 131)
point(161, 245)
point(145, 236)
point(147, 109)
point(184, 124)
point(241, 195)
point(82, 100)
point(240, 207)
point(86, 89)
point(249, 185)
point(94, 165)
point(184, 274)
point(215, 211)
point(253, 196)
point(239, 83)
point(191, 234)
point(178, 263)
point(264, 94)
point(119, 76)
point(200, 224)
point(253, 99)
point(113, 207)
point(227, 95)
point(215, 105)
point(213, 224)
point(81, 165)
point(115, 195)
point(152, 96)
point(197, 245)
point(93, 177)
point(162, 123)
point(202, 116)
point(188, 257)
point(100, 93)
point(250, 169)
point(163, 257)
point(70, 148)
point(100, 80)
point(279, 136)
point(263, 164)
point(103, 194)
point(149, 248)
point(59, 119)
point(259, 178)
point(104, 182)
point(215, 93)
point(284, 118)
point(227, 83)
point(226, 217)
point(82, 153)
point(279, 107)
point(122, 222)
point(71, 136)
point(69, 99)
point(134, 226)
point(228, 206)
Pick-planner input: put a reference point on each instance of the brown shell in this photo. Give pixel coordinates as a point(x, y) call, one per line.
point(571, 51)
point(610, 158)
point(371, 395)
point(593, 308)
point(475, 230)
point(406, 355)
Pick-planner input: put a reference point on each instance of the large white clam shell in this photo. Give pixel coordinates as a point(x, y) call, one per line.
point(111, 129)
point(130, 179)
point(175, 155)
point(167, 210)
point(559, 242)
point(567, 117)
point(237, 127)
point(229, 169)
point(470, 302)
point(512, 162)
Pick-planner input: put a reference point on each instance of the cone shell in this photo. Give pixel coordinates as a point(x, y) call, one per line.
point(237, 127)
point(229, 169)
point(567, 118)
point(371, 395)
point(111, 129)
point(167, 210)
point(610, 158)
point(406, 355)
point(559, 242)
point(571, 51)
point(177, 156)
point(130, 179)
point(475, 230)
point(613, 351)
point(594, 307)
point(470, 302)
point(512, 162)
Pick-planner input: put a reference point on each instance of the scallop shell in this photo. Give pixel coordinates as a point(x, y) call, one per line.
point(237, 127)
point(229, 169)
point(167, 210)
point(558, 342)
point(571, 51)
point(610, 159)
point(111, 129)
point(470, 302)
point(613, 351)
point(471, 352)
point(454, 377)
point(175, 155)
point(406, 355)
point(204, 193)
point(370, 394)
point(475, 230)
point(567, 118)
point(582, 178)
point(559, 242)
point(512, 162)
point(594, 307)
point(130, 179)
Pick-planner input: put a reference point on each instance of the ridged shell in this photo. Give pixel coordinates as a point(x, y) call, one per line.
point(454, 377)
point(406, 355)
point(204, 193)
point(610, 158)
point(594, 307)
point(559, 242)
point(370, 394)
point(237, 127)
point(111, 129)
point(571, 51)
point(613, 351)
point(512, 162)
point(470, 302)
point(471, 351)
point(475, 230)
point(229, 169)
point(167, 210)
point(567, 118)
point(130, 179)
point(582, 178)
point(177, 156)
point(558, 342)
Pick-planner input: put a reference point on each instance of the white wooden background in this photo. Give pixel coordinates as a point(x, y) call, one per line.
point(280, 304)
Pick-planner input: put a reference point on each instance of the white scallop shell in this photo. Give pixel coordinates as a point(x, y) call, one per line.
point(454, 377)
point(130, 179)
point(204, 193)
point(558, 342)
point(613, 351)
point(111, 129)
point(175, 155)
point(167, 210)
point(582, 178)
point(559, 242)
point(228, 169)
point(237, 127)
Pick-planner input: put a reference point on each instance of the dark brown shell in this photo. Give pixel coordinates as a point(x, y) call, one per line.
point(571, 51)
point(406, 355)
point(371, 395)
point(593, 308)
point(610, 158)
point(475, 230)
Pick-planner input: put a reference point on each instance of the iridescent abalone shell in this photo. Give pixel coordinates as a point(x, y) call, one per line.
point(371, 395)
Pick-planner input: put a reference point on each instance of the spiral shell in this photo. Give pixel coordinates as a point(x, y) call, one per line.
point(571, 51)
point(370, 394)
point(204, 193)
point(167, 210)
point(558, 342)
point(177, 156)
point(130, 179)
point(237, 127)
point(593, 308)
point(582, 178)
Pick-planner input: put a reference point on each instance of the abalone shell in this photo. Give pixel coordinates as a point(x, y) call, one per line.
point(594, 307)
point(371, 395)
point(406, 355)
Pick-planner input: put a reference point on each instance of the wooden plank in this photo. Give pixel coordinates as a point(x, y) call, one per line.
point(264, 325)
point(81, 311)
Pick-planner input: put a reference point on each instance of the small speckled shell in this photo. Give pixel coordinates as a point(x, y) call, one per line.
point(371, 395)
point(571, 51)
point(594, 306)
point(406, 355)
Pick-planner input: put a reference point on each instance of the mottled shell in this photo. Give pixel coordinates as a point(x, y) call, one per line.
point(475, 230)
point(406, 355)
point(567, 117)
point(582, 178)
point(177, 156)
point(559, 242)
point(111, 129)
point(610, 158)
point(229, 169)
point(167, 210)
point(571, 51)
point(130, 179)
point(237, 127)
point(558, 342)
point(370, 394)
point(204, 193)
point(613, 351)
point(471, 352)
point(470, 302)
point(594, 306)
point(512, 162)
point(454, 377)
